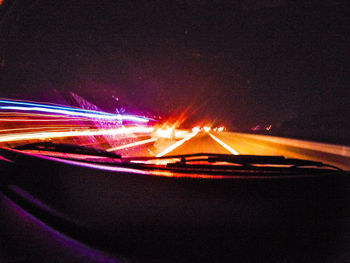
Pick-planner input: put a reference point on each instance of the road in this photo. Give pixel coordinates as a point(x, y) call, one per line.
point(237, 143)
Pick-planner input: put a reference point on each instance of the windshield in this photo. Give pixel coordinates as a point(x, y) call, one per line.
point(153, 79)
point(174, 131)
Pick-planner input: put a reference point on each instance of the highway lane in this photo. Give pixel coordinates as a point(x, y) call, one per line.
point(243, 144)
point(201, 143)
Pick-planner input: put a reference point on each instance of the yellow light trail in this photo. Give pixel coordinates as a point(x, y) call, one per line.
point(131, 144)
point(38, 120)
point(45, 135)
point(234, 152)
point(177, 144)
point(40, 128)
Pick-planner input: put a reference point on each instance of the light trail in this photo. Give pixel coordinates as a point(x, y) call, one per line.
point(45, 135)
point(96, 115)
point(234, 152)
point(13, 102)
point(38, 120)
point(177, 144)
point(37, 116)
point(40, 128)
point(58, 107)
point(132, 144)
point(26, 114)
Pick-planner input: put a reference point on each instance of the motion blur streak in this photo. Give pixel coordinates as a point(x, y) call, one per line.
point(44, 135)
point(80, 114)
point(37, 120)
point(23, 103)
point(224, 144)
point(39, 128)
point(177, 144)
point(131, 144)
point(36, 104)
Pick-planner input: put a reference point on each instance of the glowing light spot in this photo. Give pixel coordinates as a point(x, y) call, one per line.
point(221, 128)
point(196, 129)
point(165, 133)
point(206, 128)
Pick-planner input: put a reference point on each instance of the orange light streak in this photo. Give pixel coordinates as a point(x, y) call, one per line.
point(45, 135)
point(40, 128)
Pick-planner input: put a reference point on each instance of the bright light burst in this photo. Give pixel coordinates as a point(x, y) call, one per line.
point(206, 128)
point(221, 129)
point(165, 133)
point(196, 129)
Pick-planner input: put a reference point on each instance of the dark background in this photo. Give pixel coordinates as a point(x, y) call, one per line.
point(256, 62)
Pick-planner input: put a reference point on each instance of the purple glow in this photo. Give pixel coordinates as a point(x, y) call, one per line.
point(49, 238)
point(36, 202)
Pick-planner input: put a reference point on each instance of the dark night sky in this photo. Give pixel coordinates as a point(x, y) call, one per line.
point(258, 61)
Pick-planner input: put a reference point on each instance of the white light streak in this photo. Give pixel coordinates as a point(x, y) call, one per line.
point(177, 144)
point(234, 152)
